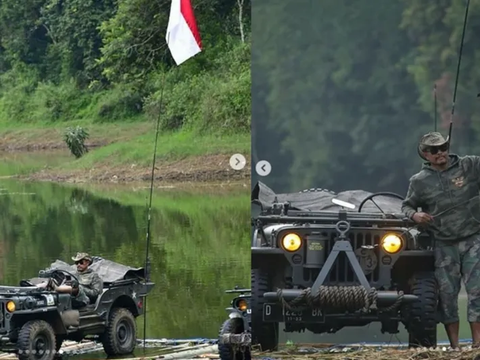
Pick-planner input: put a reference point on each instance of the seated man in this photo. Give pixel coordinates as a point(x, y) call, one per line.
point(90, 283)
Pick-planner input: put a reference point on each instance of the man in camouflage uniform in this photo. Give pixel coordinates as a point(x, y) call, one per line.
point(446, 189)
point(90, 283)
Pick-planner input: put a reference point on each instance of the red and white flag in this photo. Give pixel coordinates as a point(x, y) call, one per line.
point(183, 37)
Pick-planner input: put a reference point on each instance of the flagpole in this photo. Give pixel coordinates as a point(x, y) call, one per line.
point(183, 40)
point(148, 236)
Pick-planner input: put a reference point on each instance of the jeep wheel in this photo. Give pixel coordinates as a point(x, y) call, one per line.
point(36, 341)
point(422, 322)
point(263, 334)
point(226, 352)
point(120, 337)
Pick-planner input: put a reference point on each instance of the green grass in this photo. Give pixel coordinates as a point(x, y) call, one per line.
point(170, 147)
point(132, 143)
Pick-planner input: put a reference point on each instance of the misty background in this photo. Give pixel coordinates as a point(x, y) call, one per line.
point(342, 91)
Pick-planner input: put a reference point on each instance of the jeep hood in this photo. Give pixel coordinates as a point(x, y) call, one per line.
point(322, 200)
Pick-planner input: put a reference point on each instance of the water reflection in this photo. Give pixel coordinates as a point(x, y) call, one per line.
point(200, 244)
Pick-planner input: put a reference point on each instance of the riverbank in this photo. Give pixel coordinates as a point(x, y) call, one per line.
point(120, 153)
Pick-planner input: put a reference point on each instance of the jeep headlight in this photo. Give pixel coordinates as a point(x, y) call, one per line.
point(241, 305)
point(291, 242)
point(391, 243)
point(10, 306)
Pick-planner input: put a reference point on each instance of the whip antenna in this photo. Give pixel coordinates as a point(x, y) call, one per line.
point(435, 107)
point(458, 72)
point(148, 235)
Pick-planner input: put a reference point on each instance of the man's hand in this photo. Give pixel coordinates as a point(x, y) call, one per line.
point(50, 284)
point(42, 285)
point(422, 218)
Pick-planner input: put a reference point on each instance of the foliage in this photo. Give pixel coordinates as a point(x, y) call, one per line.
point(345, 88)
point(75, 140)
point(108, 62)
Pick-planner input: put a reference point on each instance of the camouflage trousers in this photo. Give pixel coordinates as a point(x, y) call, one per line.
point(81, 299)
point(455, 261)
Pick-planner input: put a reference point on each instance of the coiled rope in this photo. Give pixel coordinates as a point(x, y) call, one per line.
point(344, 298)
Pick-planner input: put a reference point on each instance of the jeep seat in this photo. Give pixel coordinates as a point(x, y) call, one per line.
point(95, 299)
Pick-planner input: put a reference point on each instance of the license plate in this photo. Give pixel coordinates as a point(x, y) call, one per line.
point(274, 312)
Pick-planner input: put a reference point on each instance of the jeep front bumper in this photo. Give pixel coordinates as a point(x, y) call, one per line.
point(296, 305)
point(384, 298)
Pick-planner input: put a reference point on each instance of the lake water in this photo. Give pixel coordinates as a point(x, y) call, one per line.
point(199, 246)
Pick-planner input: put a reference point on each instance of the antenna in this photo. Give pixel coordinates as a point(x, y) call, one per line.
point(435, 107)
point(148, 237)
point(458, 72)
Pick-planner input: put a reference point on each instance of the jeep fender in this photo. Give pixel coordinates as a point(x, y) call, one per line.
point(52, 316)
point(268, 257)
point(126, 302)
point(410, 262)
point(236, 314)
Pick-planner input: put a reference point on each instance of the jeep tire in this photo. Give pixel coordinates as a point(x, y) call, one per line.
point(36, 341)
point(120, 337)
point(232, 326)
point(263, 334)
point(422, 321)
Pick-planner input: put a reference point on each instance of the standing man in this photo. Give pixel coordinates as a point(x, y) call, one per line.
point(447, 191)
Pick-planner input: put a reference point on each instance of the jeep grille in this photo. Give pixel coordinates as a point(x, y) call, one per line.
point(342, 271)
point(2, 315)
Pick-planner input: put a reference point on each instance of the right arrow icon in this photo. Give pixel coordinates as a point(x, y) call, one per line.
point(237, 161)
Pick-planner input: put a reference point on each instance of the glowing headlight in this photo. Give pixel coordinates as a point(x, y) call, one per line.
point(391, 243)
point(242, 305)
point(291, 242)
point(10, 306)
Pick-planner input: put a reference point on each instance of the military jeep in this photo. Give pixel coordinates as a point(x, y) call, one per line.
point(234, 341)
point(34, 321)
point(323, 261)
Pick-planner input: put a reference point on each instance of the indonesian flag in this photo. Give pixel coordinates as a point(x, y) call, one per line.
point(183, 37)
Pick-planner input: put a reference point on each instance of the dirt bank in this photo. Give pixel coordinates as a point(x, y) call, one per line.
point(206, 168)
point(48, 139)
point(34, 143)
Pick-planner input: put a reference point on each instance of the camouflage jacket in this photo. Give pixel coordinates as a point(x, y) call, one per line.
point(90, 282)
point(451, 196)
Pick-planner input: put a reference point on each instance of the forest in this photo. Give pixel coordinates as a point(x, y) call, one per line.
point(107, 61)
point(342, 90)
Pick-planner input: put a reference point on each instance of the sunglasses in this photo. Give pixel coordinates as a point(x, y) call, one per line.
point(81, 262)
point(435, 149)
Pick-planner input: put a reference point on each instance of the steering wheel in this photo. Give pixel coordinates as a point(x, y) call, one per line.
point(62, 277)
point(370, 197)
